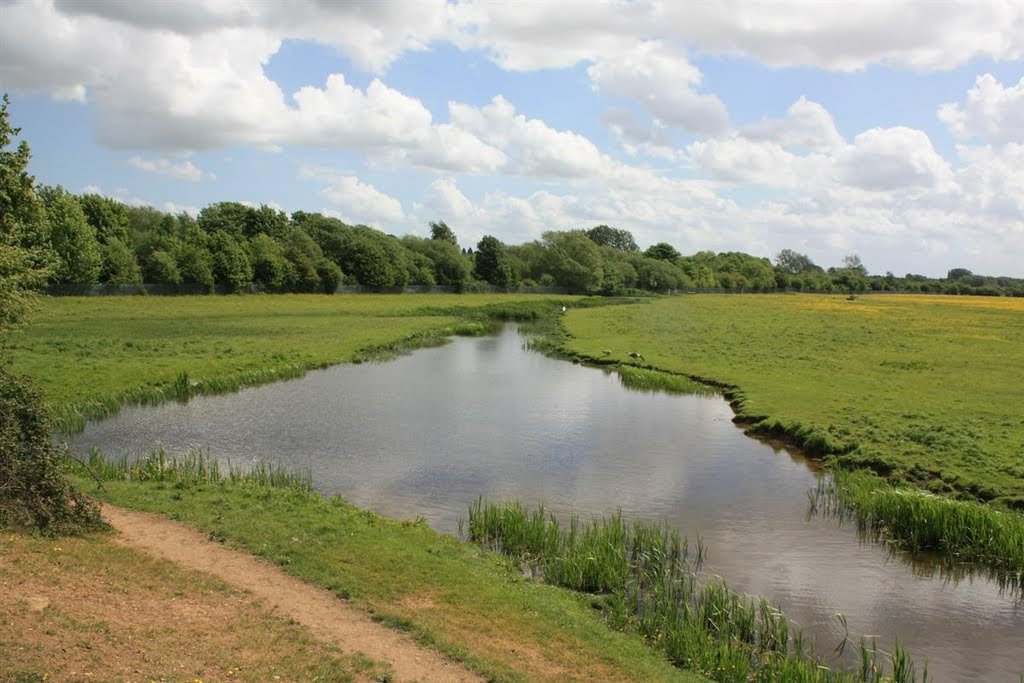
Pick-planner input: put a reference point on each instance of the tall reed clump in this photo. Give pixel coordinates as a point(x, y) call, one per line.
point(649, 584)
point(195, 468)
point(960, 532)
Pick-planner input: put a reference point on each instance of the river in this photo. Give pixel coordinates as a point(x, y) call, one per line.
point(427, 433)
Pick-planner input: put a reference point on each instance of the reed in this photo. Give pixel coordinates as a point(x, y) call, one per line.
point(652, 588)
point(960, 533)
point(194, 467)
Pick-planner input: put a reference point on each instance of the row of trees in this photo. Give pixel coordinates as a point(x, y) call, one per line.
point(95, 239)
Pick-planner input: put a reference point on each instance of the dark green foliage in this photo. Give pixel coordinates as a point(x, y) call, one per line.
point(366, 260)
point(229, 217)
point(26, 260)
point(789, 261)
point(574, 261)
point(662, 251)
point(119, 265)
point(271, 269)
point(656, 275)
point(492, 263)
point(230, 262)
point(621, 240)
point(108, 217)
point(161, 268)
point(72, 238)
point(33, 490)
point(195, 264)
point(441, 232)
point(450, 266)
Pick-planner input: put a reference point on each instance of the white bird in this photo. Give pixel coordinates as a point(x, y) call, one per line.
point(563, 310)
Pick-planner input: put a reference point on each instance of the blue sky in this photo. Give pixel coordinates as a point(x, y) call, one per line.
point(891, 130)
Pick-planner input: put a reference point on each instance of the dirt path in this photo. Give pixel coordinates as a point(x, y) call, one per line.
point(328, 618)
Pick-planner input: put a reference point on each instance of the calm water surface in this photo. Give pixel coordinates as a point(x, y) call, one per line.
point(428, 433)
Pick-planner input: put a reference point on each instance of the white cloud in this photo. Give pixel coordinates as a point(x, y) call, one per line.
point(806, 124)
point(636, 138)
point(900, 158)
point(181, 170)
point(739, 160)
point(359, 202)
point(533, 147)
point(349, 117)
point(529, 36)
point(991, 112)
point(662, 80)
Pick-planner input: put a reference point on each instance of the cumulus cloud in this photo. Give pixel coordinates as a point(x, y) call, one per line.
point(180, 170)
point(991, 112)
point(529, 36)
point(807, 124)
point(897, 158)
point(636, 137)
point(661, 80)
point(359, 202)
point(533, 147)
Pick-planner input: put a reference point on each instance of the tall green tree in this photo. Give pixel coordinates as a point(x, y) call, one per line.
point(440, 231)
point(619, 239)
point(574, 260)
point(25, 258)
point(231, 266)
point(108, 217)
point(72, 238)
point(793, 263)
point(33, 489)
point(492, 263)
point(119, 264)
point(663, 251)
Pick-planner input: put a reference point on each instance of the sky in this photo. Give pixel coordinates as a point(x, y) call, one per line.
point(891, 130)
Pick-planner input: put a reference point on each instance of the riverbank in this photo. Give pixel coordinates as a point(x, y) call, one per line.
point(92, 356)
point(468, 604)
point(919, 391)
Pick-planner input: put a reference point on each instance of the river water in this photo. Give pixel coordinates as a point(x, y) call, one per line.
point(429, 432)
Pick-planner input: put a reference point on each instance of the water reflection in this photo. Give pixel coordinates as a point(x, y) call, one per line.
point(428, 433)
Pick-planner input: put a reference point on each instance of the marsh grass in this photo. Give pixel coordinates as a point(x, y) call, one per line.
point(964, 536)
point(194, 467)
point(647, 379)
point(649, 585)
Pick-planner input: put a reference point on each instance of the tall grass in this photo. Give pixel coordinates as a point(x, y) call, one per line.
point(646, 379)
point(649, 584)
point(194, 467)
point(959, 533)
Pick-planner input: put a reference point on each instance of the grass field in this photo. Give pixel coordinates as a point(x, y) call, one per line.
point(928, 390)
point(91, 355)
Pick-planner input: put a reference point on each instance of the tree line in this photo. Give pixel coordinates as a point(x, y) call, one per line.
point(98, 240)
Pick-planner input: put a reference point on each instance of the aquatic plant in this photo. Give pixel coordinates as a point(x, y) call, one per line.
point(195, 467)
point(963, 535)
point(650, 585)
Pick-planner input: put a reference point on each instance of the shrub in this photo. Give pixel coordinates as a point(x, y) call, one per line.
point(34, 492)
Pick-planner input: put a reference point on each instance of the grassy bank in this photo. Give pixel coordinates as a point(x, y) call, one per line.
point(468, 603)
point(648, 586)
point(924, 390)
point(92, 355)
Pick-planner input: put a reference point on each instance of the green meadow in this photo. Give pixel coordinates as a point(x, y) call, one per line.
point(92, 355)
point(926, 390)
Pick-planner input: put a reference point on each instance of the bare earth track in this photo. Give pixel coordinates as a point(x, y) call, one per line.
point(327, 618)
